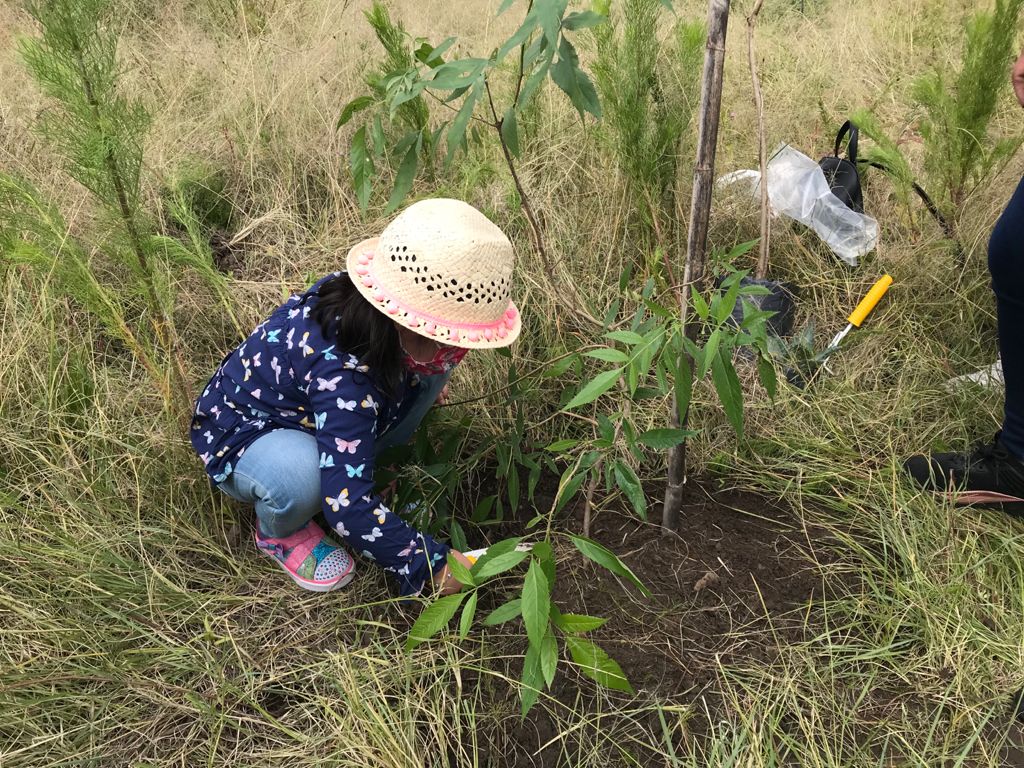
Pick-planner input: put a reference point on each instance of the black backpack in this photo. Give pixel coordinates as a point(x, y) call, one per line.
point(841, 172)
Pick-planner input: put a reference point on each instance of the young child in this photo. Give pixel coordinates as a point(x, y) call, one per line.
point(294, 418)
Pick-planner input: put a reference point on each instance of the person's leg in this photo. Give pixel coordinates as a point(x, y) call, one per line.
point(992, 473)
point(1006, 265)
point(413, 413)
point(280, 475)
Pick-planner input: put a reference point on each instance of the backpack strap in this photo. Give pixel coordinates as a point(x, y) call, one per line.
point(929, 205)
point(851, 147)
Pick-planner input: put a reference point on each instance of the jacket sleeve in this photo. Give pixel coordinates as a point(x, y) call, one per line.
point(345, 404)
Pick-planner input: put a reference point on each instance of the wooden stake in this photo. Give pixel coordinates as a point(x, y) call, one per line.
point(762, 150)
point(700, 214)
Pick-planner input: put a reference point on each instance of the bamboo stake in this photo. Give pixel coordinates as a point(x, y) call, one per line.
point(762, 150)
point(696, 241)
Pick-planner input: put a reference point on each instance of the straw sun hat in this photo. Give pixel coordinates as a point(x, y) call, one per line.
point(444, 270)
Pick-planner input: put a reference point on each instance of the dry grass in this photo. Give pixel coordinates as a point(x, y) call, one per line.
point(137, 627)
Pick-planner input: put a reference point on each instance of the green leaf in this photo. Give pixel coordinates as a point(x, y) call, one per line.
point(727, 303)
point(510, 131)
point(753, 317)
point(576, 624)
point(741, 249)
point(513, 487)
point(632, 377)
point(434, 617)
point(503, 613)
point(533, 82)
point(457, 128)
point(559, 367)
point(607, 354)
point(663, 439)
point(490, 566)
point(766, 370)
point(456, 74)
point(727, 384)
point(362, 168)
point(574, 81)
point(460, 572)
point(582, 20)
point(595, 388)
point(710, 353)
point(549, 657)
point(567, 488)
point(659, 310)
point(456, 94)
point(683, 385)
point(404, 178)
point(532, 680)
point(399, 96)
point(545, 555)
point(532, 480)
point(626, 337)
point(483, 509)
point(468, 613)
point(611, 313)
point(646, 352)
point(549, 13)
point(505, 5)
point(533, 52)
point(431, 55)
point(699, 305)
point(596, 664)
point(518, 37)
point(630, 485)
point(357, 104)
point(608, 560)
point(536, 603)
point(562, 445)
point(377, 138)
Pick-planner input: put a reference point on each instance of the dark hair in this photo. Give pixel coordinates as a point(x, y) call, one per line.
point(361, 330)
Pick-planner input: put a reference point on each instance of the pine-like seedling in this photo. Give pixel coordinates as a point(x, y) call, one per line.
point(648, 103)
point(99, 133)
point(960, 153)
point(414, 114)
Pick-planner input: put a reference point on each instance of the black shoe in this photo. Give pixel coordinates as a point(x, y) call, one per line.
point(989, 474)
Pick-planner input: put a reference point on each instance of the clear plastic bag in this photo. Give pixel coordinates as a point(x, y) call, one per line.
point(797, 187)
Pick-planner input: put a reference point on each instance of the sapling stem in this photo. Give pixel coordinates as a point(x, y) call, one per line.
point(696, 243)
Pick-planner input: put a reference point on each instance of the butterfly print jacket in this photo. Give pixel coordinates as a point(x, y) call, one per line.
point(287, 376)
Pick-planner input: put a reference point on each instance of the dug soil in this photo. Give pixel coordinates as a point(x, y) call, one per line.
point(736, 584)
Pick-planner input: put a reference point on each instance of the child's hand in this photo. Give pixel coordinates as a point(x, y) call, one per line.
point(444, 582)
point(442, 396)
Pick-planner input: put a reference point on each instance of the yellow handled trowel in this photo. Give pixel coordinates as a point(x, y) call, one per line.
point(855, 320)
point(860, 314)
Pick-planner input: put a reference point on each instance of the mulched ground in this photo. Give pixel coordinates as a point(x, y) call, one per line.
point(731, 588)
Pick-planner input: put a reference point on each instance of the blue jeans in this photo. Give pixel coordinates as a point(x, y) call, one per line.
point(280, 472)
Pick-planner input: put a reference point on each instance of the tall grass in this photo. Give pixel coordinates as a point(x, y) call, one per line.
point(138, 626)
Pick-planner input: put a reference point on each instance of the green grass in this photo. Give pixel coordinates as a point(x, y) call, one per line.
point(139, 628)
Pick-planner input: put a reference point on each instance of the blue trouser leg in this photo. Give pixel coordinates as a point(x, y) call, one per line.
point(1006, 265)
point(279, 473)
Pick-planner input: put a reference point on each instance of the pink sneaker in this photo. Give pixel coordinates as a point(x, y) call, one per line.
point(312, 560)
